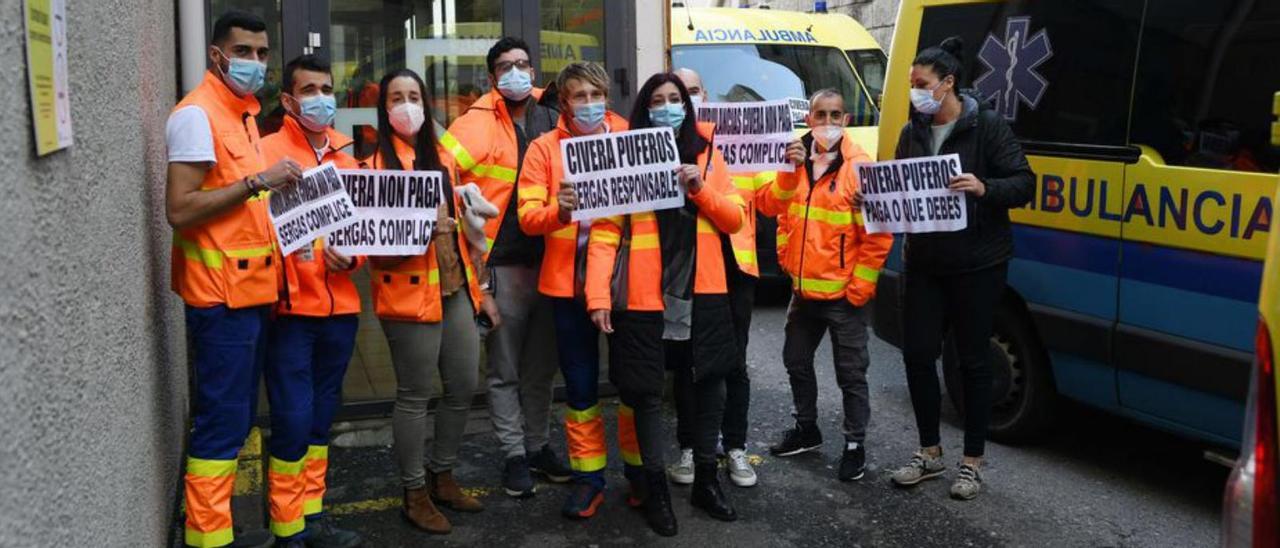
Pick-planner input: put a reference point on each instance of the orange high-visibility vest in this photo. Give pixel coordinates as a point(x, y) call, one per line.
point(539, 211)
point(744, 241)
point(721, 210)
point(483, 143)
point(410, 291)
point(828, 252)
point(230, 259)
point(310, 288)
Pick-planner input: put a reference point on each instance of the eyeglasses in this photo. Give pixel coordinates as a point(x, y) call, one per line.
point(502, 67)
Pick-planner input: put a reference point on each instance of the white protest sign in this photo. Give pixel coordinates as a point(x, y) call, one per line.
point(624, 172)
point(799, 109)
point(397, 212)
point(310, 208)
point(911, 196)
point(751, 136)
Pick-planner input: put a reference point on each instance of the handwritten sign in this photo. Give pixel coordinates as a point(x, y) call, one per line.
point(911, 196)
point(751, 136)
point(310, 208)
point(397, 211)
point(621, 173)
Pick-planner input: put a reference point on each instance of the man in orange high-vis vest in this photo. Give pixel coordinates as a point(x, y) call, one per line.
point(311, 341)
point(545, 209)
point(224, 263)
point(488, 142)
point(742, 292)
point(834, 264)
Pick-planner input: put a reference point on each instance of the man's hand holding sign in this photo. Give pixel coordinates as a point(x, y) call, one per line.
point(313, 207)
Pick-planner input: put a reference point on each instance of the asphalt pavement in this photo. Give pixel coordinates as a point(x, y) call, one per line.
point(1094, 480)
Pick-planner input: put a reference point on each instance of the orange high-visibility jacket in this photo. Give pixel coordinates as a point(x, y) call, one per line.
point(829, 253)
point(410, 291)
point(721, 210)
point(540, 212)
point(310, 289)
point(483, 143)
point(228, 259)
point(744, 241)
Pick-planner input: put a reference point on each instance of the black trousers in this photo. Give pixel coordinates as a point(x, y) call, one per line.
point(637, 369)
point(737, 384)
point(966, 304)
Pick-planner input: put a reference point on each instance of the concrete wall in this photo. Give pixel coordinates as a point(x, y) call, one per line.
point(92, 374)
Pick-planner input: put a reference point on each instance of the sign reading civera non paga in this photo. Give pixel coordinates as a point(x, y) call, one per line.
point(398, 212)
point(752, 136)
point(624, 172)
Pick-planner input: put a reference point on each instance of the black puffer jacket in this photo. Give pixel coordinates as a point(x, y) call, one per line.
point(989, 150)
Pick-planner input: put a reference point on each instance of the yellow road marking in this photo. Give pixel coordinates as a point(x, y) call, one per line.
point(378, 505)
point(249, 469)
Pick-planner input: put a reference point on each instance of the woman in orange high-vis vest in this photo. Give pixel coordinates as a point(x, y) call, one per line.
point(544, 210)
point(671, 298)
point(424, 300)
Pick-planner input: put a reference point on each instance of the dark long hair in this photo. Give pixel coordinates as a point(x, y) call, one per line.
point(425, 155)
point(944, 59)
point(688, 140)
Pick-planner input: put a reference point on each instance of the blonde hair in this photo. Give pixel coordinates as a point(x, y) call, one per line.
point(586, 71)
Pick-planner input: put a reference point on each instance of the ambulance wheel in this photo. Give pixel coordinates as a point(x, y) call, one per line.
point(1022, 392)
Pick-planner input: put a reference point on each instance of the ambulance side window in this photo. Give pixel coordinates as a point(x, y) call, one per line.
point(1033, 64)
point(1205, 84)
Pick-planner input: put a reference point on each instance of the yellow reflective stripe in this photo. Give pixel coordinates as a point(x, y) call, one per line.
point(311, 507)
point(822, 286)
point(644, 241)
point(317, 452)
point(459, 152)
point(857, 218)
point(745, 256)
point(781, 194)
point(250, 253)
point(211, 258)
point(625, 411)
point(206, 468)
point(705, 226)
point(527, 207)
point(764, 178)
point(566, 233)
point(585, 415)
point(488, 242)
point(642, 216)
point(433, 276)
point(221, 537)
point(287, 468)
point(744, 183)
point(838, 218)
point(866, 273)
point(494, 171)
point(533, 192)
point(736, 198)
point(783, 238)
point(604, 237)
point(588, 464)
point(631, 458)
point(288, 528)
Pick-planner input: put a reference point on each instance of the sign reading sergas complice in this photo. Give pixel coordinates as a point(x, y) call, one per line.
point(310, 208)
point(751, 136)
point(397, 211)
point(620, 173)
point(911, 196)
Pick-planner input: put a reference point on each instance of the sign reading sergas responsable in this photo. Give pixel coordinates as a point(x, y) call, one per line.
point(911, 196)
point(751, 136)
point(621, 173)
point(46, 27)
point(397, 209)
point(313, 207)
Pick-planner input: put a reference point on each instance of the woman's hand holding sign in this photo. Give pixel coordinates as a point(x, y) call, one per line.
point(444, 223)
point(967, 182)
point(690, 179)
point(567, 199)
point(335, 261)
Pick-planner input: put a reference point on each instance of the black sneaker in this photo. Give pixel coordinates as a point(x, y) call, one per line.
point(853, 464)
point(516, 480)
point(546, 463)
point(802, 438)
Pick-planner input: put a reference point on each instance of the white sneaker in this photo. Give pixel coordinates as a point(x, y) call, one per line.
point(681, 473)
point(740, 471)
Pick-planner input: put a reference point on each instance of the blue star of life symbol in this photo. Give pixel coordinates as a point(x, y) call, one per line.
point(1011, 77)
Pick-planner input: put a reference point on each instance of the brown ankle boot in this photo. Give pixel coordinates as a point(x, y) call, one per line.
point(445, 491)
point(419, 510)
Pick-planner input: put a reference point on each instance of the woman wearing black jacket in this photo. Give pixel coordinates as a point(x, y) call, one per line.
point(955, 279)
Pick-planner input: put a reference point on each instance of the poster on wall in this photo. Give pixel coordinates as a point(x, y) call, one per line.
point(46, 39)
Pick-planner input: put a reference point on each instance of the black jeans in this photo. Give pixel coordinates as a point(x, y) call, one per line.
point(737, 384)
point(636, 368)
point(808, 322)
point(966, 304)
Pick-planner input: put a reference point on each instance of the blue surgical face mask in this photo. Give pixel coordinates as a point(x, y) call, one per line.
point(924, 101)
point(316, 112)
point(588, 117)
point(670, 115)
point(243, 76)
point(515, 85)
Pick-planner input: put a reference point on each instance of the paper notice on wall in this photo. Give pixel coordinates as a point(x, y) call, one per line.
point(911, 196)
point(47, 78)
point(397, 209)
point(624, 172)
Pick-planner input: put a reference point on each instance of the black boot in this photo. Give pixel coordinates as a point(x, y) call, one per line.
point(708, 496)
point(657, 504)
